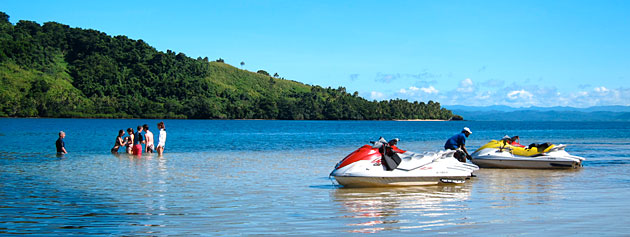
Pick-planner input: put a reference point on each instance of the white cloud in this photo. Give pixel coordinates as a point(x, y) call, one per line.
point(484, 95)
point(600, 96)
point(522, 94)
point(466, 86)
point(375, 95)
point(601, 89)
point(469, 93)
point(424, 83)
point(429, 90)
point(413, 91)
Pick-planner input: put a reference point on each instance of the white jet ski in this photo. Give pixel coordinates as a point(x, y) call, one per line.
point(385, 165)
point(502, 154)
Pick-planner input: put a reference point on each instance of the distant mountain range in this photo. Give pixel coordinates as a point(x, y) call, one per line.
point(558, 113)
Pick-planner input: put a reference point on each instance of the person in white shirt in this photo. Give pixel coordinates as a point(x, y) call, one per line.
point(161, 138)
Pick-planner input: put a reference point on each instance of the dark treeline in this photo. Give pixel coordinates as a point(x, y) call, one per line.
point(53, 70)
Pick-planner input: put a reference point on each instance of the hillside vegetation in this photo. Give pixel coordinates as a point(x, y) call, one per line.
point(53, 70)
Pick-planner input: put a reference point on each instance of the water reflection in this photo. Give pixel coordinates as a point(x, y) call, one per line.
point(161, 188)
point(376, 209)
point(514, 188)
point(126, 156)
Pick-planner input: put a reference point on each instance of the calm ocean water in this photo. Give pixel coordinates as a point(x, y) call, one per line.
point(271, 178)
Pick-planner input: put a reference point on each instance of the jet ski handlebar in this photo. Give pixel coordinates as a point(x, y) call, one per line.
point(382, 140)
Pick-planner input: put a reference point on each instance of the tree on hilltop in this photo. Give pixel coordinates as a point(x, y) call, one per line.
point(263, 72)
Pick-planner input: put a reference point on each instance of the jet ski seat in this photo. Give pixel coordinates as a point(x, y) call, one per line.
point(539, 146)
point(390, 159)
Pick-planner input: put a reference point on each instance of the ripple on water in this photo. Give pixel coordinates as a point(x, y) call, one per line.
point(231, 186)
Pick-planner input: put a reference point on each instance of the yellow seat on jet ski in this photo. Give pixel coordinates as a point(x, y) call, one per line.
point(518, 151)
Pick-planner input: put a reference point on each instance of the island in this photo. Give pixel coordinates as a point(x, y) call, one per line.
point(54, 70)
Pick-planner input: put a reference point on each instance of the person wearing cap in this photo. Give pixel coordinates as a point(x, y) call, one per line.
point(458, 143)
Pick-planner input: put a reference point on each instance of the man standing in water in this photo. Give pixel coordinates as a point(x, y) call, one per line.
point(458, 143)
point(61, 145)
point(148, 139)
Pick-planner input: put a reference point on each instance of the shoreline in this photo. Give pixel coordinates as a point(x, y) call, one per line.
point(411, 120)
point(421, 120)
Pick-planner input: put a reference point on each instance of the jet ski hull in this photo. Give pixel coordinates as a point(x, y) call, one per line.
point(525, 164)
point(348, 181)
point(493, 158)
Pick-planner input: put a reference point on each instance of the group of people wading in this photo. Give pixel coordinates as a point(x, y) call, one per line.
point(134, 140)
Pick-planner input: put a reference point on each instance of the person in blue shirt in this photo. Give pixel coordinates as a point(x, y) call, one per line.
point(458, 143)
point(137, 142)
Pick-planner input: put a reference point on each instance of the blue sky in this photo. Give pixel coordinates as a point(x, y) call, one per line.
point(525, 53)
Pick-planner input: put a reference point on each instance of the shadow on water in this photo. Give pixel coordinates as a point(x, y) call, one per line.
point(329, 186)
point(333, 184)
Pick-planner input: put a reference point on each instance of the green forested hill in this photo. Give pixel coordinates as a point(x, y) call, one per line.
point(53, 70)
